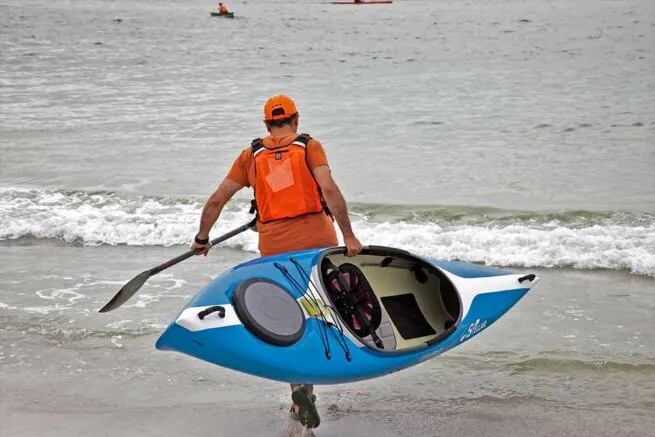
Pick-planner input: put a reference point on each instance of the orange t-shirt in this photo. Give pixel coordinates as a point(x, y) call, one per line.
point(305, 232)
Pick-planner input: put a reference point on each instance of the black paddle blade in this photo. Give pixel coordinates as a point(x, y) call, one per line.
point(126, 292)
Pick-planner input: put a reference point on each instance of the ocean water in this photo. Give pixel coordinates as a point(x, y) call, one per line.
point(518, 134)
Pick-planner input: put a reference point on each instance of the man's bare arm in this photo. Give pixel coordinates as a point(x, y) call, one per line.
point(334, 199)
point(215, 204)
point(338, 208)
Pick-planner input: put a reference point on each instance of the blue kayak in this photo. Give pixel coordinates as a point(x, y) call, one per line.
point(319, 317)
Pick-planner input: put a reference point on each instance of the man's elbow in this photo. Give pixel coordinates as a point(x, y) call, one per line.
point(330, 192)
point(216, 200)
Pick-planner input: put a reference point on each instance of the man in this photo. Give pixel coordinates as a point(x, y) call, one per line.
point(296, 200)
point(222, 9)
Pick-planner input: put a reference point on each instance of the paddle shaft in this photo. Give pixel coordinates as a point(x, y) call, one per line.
point(130, 289)
point(192, 252)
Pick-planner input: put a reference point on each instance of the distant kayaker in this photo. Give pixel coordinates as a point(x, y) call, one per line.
point(296, 199)
point(222, 9)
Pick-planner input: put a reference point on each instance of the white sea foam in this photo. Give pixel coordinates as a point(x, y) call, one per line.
point(580, 240)
point(68, 294)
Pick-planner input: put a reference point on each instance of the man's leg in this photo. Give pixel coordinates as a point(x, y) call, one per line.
point(310, 387)
point(304, 405)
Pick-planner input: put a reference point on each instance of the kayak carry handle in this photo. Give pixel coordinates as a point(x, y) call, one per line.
point(216, 308)
point(529, 277)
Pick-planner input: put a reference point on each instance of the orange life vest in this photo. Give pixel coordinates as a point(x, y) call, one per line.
point(223, 10)
point(284, 185)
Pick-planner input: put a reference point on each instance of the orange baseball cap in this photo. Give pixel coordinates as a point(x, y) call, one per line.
point(278, 107)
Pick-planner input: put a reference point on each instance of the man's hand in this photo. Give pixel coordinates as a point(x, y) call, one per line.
point(353, 246)
point(205, 248)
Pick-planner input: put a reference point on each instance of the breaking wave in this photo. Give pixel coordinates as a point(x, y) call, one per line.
point(578, 239)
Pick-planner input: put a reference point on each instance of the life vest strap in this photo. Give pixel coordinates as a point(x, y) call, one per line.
point(257, 146)
point(302, 140)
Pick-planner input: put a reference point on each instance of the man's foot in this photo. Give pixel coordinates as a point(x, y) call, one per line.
point(293, 414)
point(307, 414)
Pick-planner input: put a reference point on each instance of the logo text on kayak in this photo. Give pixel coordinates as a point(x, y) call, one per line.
point(474, 328)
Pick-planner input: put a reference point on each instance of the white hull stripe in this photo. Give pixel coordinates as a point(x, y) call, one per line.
point(469, 288)
point(189, 318)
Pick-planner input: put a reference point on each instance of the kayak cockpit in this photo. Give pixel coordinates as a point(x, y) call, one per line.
point(389, 299)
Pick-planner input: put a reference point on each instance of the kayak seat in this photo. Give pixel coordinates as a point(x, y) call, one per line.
point(268, 311)
point(358, 306)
